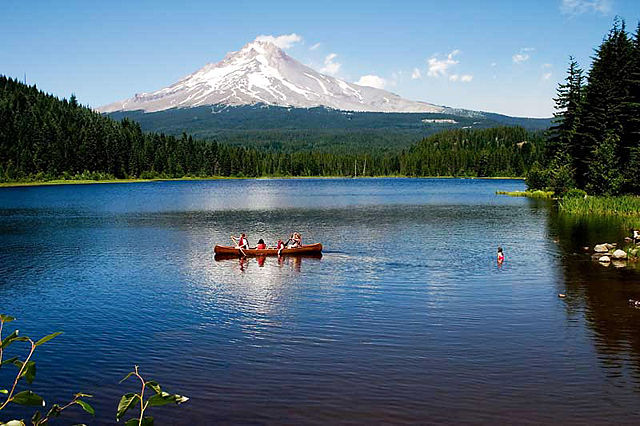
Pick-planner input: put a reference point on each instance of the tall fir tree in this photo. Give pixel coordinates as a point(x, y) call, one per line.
point(561, 135)
point(562, 143)
point(603, 114)
point(631, 143)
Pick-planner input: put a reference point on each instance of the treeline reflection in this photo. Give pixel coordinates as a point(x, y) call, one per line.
point(601, 293)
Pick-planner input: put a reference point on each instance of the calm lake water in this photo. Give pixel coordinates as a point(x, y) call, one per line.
point(405, 318)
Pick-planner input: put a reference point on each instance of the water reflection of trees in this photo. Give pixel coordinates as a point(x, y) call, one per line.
point(600, 292)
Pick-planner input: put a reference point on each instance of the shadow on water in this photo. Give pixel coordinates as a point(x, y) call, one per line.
point(600, 293)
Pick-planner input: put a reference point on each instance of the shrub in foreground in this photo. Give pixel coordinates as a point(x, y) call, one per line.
point(26, 373)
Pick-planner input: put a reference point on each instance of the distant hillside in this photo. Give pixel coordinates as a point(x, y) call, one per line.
point(43, 138)
point(292, 129)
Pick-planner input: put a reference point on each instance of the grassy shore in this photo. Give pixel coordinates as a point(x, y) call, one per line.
point(623, 205)
point(87, 181)
point(529, 194)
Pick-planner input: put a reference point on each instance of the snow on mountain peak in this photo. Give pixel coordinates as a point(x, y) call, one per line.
point(262, 73)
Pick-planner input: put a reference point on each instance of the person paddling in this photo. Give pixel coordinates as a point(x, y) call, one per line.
point(241, 243)
point(500, 255)
point(280, 245)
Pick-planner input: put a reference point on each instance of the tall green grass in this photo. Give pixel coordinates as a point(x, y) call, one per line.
point(623, 206)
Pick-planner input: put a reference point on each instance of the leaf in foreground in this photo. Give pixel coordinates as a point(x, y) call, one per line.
point(13, 337)
point(8, 361)
point(6, 318)
point(29, 370)
point(146, 421)
point(27, 398)
point(126, 402)
point(127, 376)
point(13, 423)
point(45, 339)
point(165, 398)
point(86, 407)
point(154, 385)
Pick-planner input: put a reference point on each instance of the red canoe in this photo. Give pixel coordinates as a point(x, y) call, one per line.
point(305, 249)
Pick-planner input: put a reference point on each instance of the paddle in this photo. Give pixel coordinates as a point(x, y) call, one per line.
point(284, 246)
point(238, 245)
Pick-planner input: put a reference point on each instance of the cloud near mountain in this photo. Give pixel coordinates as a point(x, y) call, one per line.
point(262, 73)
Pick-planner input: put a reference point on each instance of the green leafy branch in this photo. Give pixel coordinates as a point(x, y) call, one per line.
point(27, 371)
point(159, 398)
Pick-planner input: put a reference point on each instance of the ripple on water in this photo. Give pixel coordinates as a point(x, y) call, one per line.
point(405, 318)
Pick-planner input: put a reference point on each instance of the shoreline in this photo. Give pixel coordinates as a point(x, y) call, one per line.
point(625, 207)
point(121, 181)
point(543, 195)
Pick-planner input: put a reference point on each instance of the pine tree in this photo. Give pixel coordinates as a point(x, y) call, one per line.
point(605, 95)
point(562, 143)
point(631, 143)
point(560, 136)
point(604, 177)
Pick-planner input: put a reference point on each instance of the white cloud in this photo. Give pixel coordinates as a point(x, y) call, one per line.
point(464, 78)
point(416, 74)
point(330, 66)
point(284, 41)
point(522, 56)
point(547, 65)
point(578, 7)
point(546, 76)
point(519, 58)
point(493, 64)
point(439, 67)
point(315, 46)
point(372, 81)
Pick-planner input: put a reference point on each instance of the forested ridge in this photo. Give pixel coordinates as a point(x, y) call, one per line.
point(594, 144)
point(44, 138)
point(288, 129)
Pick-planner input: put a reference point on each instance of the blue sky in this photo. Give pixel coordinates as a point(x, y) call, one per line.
point(498, 56)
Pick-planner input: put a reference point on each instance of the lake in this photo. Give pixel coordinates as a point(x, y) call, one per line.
point(406, 318)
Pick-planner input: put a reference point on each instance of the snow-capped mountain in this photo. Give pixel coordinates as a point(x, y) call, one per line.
point(261, 73)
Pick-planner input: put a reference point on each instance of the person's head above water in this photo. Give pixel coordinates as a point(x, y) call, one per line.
point(499, 249)
point(260, 241)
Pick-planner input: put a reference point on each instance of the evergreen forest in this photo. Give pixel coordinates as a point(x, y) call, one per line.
point(594, 142)
point(45, 138)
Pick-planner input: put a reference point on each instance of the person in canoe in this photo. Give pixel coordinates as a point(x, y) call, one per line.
point(295, 241)
point(241, 241)
point(261, 245)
